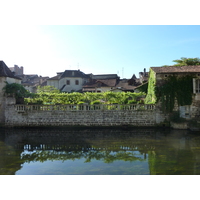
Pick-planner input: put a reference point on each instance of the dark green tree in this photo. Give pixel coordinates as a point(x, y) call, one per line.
point(183, 61)
point(16, 90)
point(187, 61)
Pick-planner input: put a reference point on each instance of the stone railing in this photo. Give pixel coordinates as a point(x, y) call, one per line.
point(24, 108)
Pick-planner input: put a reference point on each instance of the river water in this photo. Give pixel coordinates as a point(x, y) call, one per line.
point(51, 151)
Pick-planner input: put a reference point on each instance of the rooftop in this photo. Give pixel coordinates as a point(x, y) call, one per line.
point(105, 76)
point(5, 71)
point(69, 73)
point(73, 73)
point(176, 69)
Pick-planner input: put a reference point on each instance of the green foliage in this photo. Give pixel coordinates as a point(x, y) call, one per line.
point(89, 98)
point(16, 90)
point(183, 61)
point(175, 89)
point(96, 102)
point(187, 61)
point(47, 88)
point(151, 91)
point(132, 101)
point(143, 87)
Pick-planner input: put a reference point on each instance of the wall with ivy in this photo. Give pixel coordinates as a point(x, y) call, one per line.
point(176, 89)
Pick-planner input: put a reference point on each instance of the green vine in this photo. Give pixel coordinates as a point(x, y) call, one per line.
point(151, 91)
point(175, 89)
point(143, 88)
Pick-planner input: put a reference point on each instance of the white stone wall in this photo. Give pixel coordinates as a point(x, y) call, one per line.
point(72, 86)
point(68, 88)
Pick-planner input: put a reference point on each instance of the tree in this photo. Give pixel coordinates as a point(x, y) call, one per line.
point(183, 61)
point(187, 61)
point(16, 90)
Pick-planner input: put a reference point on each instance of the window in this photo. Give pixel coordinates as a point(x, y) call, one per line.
point(77, 82)
point(68, 82)
point(166, 75)
point(196, 85)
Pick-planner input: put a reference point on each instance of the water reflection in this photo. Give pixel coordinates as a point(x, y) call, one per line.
point(63, 151)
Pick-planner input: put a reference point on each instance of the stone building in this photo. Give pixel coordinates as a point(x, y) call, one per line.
point(5, 76)
point(101, 83)
point(162, 73)
point(17, 70)
point(29, 81)
point(69, 80)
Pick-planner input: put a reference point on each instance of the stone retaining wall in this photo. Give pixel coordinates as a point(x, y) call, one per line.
point(88, 116)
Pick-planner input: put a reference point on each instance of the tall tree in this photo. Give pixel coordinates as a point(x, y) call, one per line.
point(187, 61)
point(183, 61)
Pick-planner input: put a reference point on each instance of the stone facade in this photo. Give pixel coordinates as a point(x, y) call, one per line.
point(69, 80)
point(49, 116)
point(17, 70)
point(5, 76)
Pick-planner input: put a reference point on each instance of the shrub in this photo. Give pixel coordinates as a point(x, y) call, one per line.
point(96, 102)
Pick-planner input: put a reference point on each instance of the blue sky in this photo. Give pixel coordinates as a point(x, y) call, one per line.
point(99, 49)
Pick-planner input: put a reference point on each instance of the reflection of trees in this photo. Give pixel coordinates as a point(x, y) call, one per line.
point(176, 156)
point(166, 153)
point(44, 144)
point(105, 156)
point(10, 160)
point(174, 162)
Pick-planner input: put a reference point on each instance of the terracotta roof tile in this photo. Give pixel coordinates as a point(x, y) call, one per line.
point(108, 82)
point(177, 69)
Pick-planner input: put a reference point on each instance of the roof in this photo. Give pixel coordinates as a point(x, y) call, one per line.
point(6, 72)
point(104, 83)
point(105, 76)
point(69, 73)
point(124, 85)
point(54, 78)
point(108, 82)
point(74, 73)
point(177, 69)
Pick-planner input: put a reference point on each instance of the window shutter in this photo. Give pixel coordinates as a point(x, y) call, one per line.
point(194, 85)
